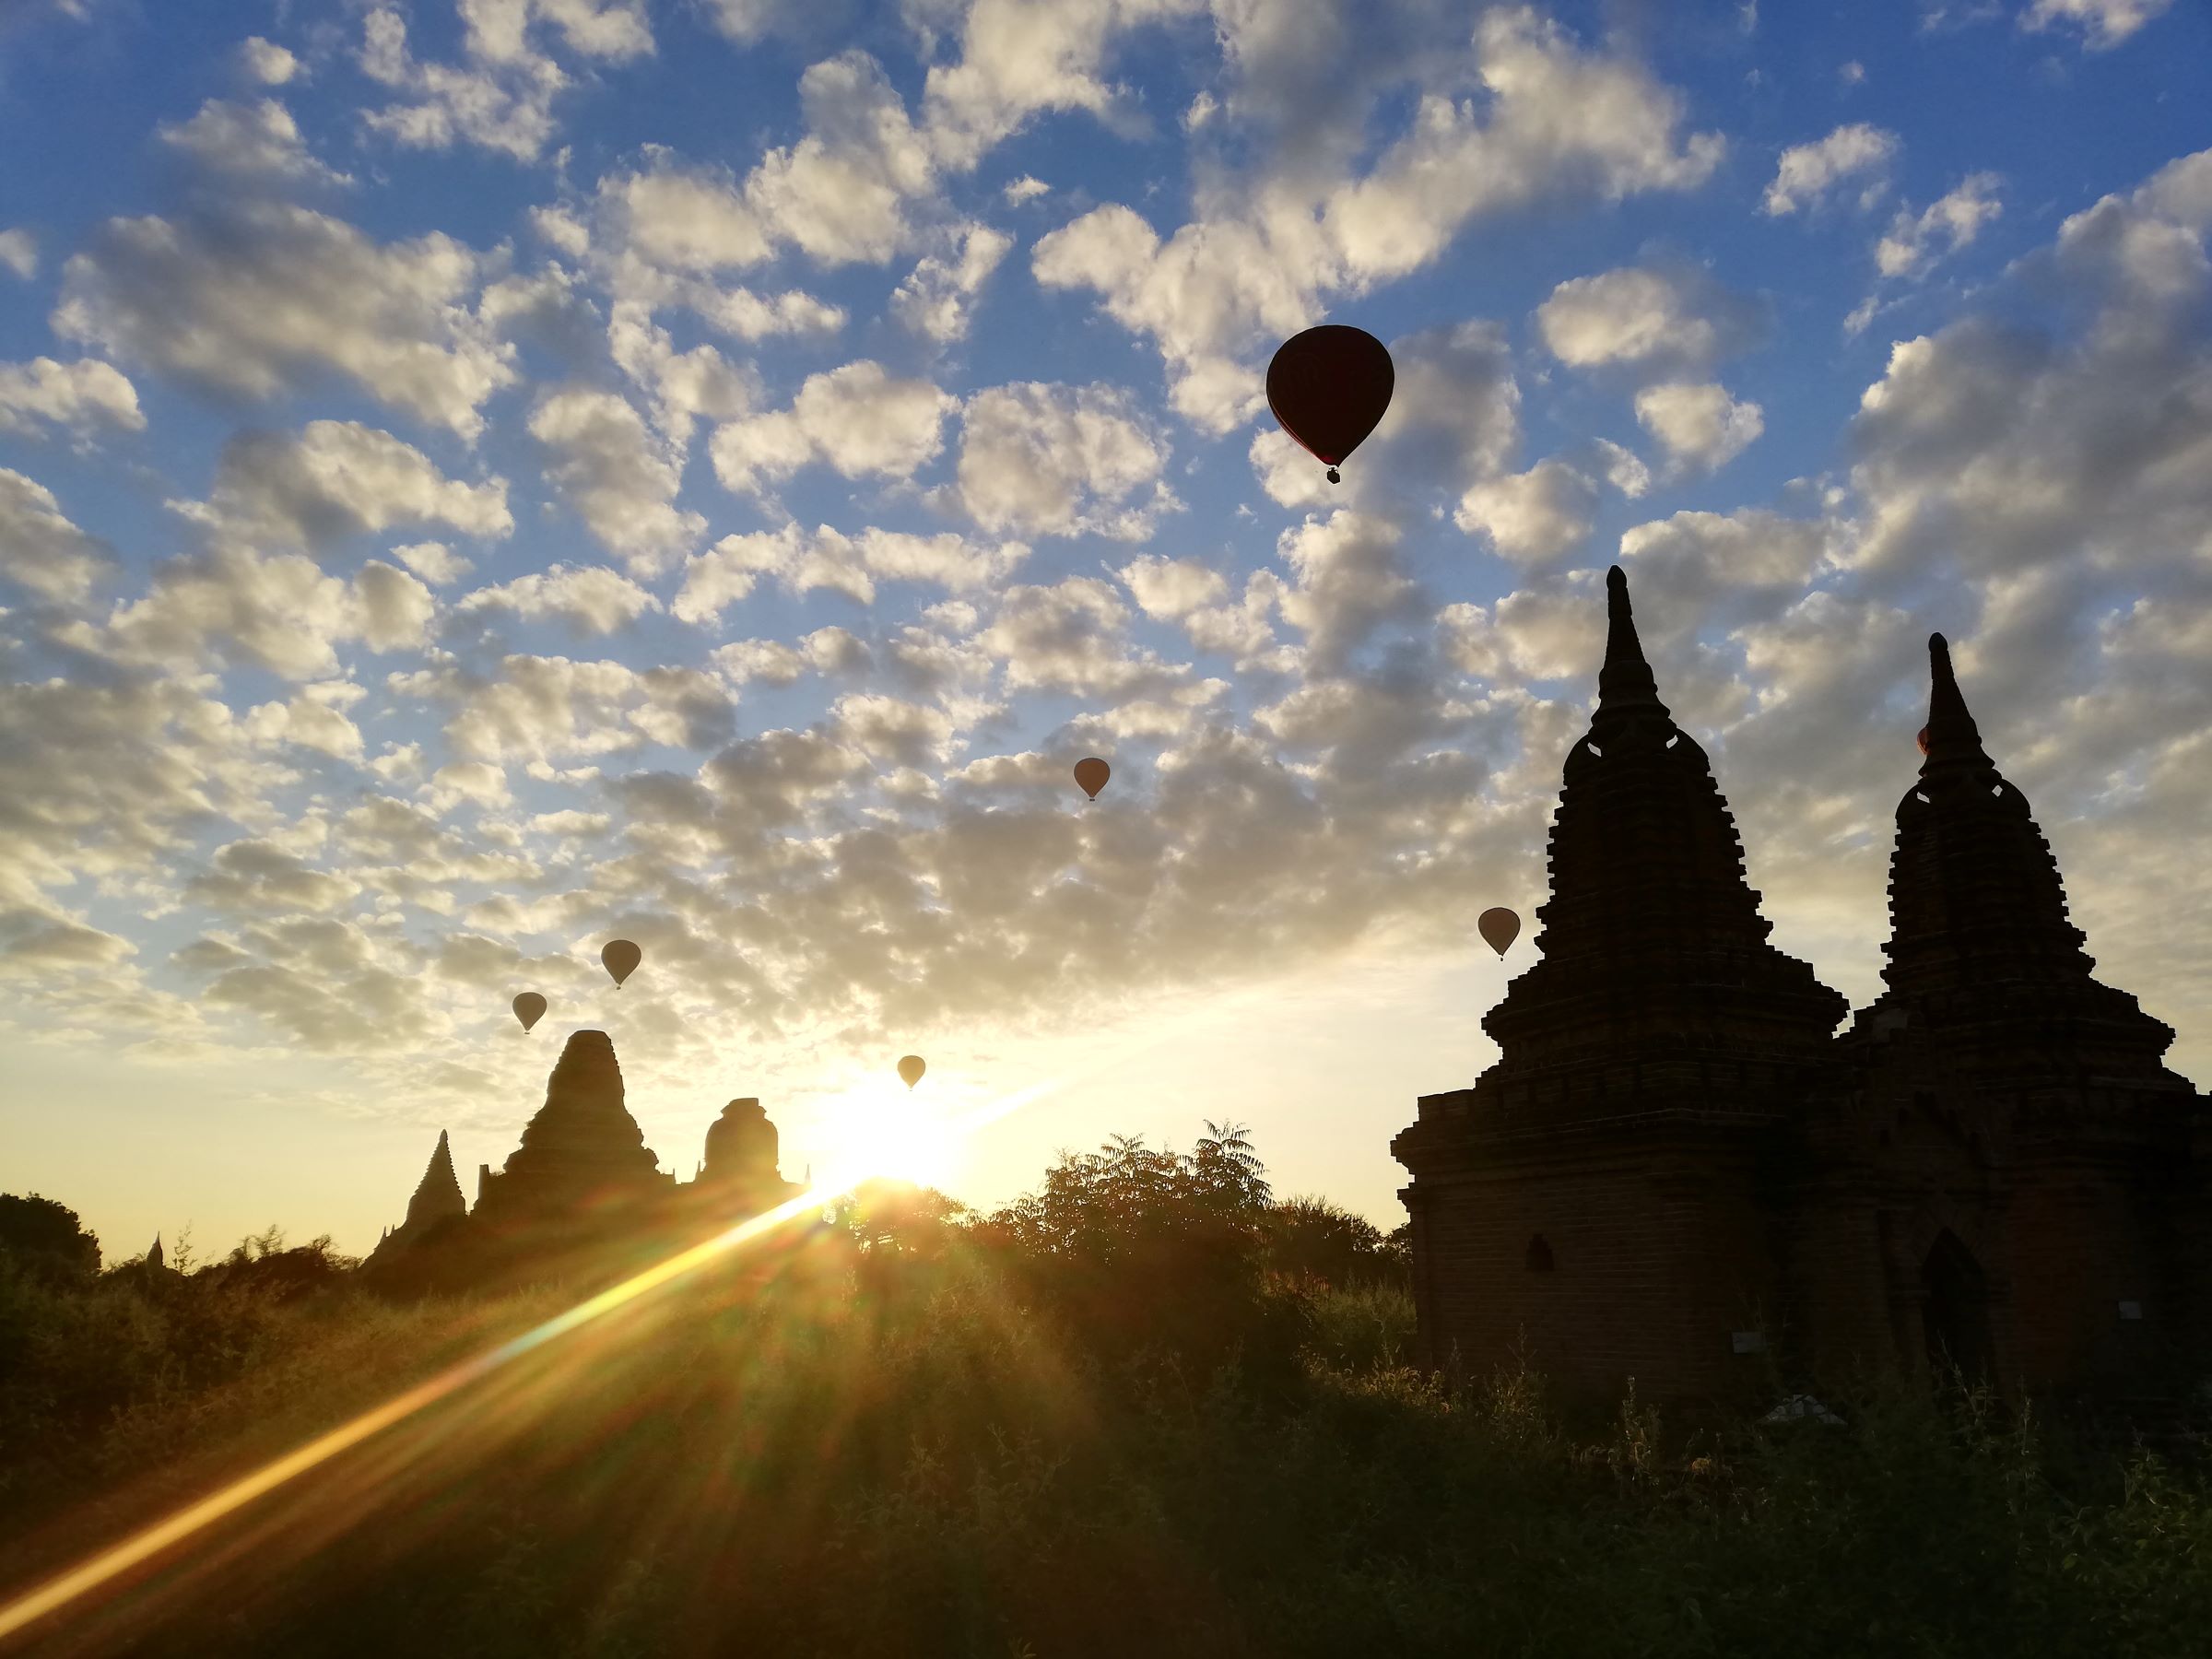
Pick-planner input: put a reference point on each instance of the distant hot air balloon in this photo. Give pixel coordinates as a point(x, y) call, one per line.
point(1922, 740)
point(1329, 387)
point(1091, 775)
point(1499, 927)
point(529, 1007)
point(910, 1069)
point(621, 958)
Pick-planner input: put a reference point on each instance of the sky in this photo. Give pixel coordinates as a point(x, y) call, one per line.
point(482, 480)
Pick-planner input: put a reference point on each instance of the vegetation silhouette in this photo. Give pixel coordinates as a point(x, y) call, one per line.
point(1146, 1408)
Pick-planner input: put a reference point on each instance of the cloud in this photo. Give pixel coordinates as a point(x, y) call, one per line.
point(937, 300)
point(1024, 189)
point(500, 96)
point(1531, 518)
point(1808, 172)
point(839, 192)
point(1658, 320)
point(1172, 588)
point(314, 718)
point(266, 63)
point(591, 599)
point(39, 549)
point(803, 562)
point(255, 140)
point(339, 479)
point(2103, 23)
point(1916, 242)
point(281, 612)
point(1700, 426)
point(1551, 122)
point(553, 707)
point(265, 298)
point(608, 467)
point(78, 397)
point(1070, 637)
point(1346, 584)
point(1053, 460)
point(858, 420)
point(19, 253)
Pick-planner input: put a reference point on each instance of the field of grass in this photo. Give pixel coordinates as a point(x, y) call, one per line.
point(1129, 1420)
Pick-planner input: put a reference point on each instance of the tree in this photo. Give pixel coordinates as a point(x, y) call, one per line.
point(46, 1236)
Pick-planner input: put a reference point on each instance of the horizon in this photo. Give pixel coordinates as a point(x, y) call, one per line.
point(467, 495)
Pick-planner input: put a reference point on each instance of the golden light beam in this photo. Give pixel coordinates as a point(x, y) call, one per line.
point(144, 1546)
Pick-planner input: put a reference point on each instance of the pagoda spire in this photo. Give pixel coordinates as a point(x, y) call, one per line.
point(438, 1195)
point(1625, 683)
point(1953, 739)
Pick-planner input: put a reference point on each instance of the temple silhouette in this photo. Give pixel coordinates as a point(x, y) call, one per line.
point(1679, 1172)
point(581, 1178)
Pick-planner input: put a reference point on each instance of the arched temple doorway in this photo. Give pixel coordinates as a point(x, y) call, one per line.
point(1955, 1313)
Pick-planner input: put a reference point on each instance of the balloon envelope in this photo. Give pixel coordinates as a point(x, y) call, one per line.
point(621, 958)
point(1922, 740)
point(1091, 775)
point(1499, 927)
point(529, 1007)
point(910, 1069)
point(1329, 387)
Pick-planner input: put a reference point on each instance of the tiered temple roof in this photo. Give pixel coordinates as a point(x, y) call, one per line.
point(582, 1146)
point(1982, 947)
point(438, 1195)
point(1655, 968)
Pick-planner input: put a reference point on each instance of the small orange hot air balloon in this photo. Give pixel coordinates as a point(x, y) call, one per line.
point(1922, 740)
point(910, 1069)
point(529, 1007)
point(1091, 775)
point(1329, 387)
point(620, 958)
point(1499, 927)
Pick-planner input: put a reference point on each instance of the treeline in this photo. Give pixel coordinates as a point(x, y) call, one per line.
point(1147, 1408)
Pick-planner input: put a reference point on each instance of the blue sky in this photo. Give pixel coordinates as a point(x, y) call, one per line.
point(476, 480)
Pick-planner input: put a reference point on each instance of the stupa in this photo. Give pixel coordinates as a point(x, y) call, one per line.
point(582, 1152)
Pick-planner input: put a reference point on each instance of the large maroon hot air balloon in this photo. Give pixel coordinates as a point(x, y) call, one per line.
point(1499, 927)
point(1091, 775)
point(620, 958)
point(529, 1007)
point(1329, 387)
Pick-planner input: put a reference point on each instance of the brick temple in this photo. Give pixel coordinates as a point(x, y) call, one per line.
point(1680, 1173)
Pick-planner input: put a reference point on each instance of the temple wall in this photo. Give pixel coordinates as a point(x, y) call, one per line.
point(1657, 1261)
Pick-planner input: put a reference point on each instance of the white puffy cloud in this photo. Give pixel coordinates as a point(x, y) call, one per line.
point(314, 717)
point(19, 253)
point(938, 295)
point(1808, 172)
point(684, 386)
point(839, 193)
point(433, 562)
point(1646, 320)
point(255, 140)
point(500, 96)
point(1552, 121)
point(858, 420)
point(1024, 189)
point(1054, 460)
point(551, 707)
point(40, 548)
point(268, 297)
point(1072, 637)
point(339, 478)
point(1531, 518)
point(621, 483)
point(1170, 588)
point(281, 612)
point(1700, 426)
point(803, 562)
point(266, 63)
point(2103, 23)
point(1914, 242)
point(78, 397)
point(588, 598)
point(1347, 582)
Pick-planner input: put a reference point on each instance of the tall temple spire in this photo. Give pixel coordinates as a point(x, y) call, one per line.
point(157, 1256)
point(1652, 938)
point(1952, 737)
point(438, 1195)
point(1625, 684)
point(582, 1144)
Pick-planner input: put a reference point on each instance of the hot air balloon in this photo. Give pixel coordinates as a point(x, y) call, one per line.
point(1499, 927)
point(621, 958)
point(1329, 387)
point(1922, 740)
point(1091, 775)
point(910, 1069)
point(529, 1007)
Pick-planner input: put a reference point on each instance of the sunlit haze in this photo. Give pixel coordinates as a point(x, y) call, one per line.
point(478, 481)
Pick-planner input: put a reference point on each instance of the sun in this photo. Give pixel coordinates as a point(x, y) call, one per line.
point(879, 1129)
